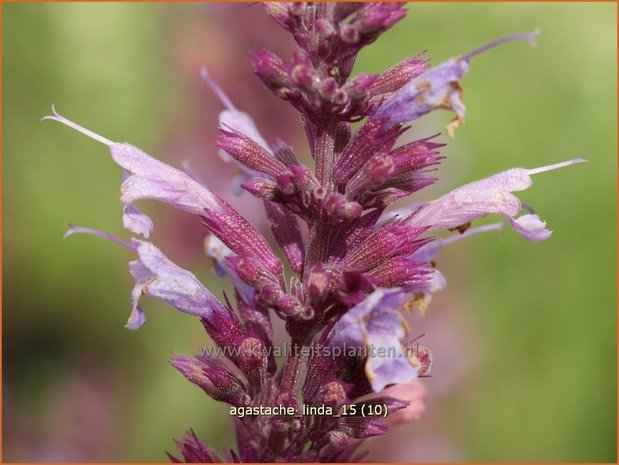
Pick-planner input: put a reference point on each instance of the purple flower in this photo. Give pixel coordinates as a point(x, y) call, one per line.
point(437, 88)
point(492, 195)
point(147, 178)
point(377, 324)
point(156, 276)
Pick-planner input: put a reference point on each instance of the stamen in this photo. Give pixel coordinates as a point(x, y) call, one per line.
point(221, 95)
point(96, 232)
point(555, 166)
point(531, 37)
point(473, 232)
point(77, 127)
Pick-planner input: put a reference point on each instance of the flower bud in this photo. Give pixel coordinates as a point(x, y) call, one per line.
point(320, 193)
point(261, 188)
point(318, 283)
point(328, 88)
point(297, 8)
point(334, 203)
point(378, 17)
point(270, 69)
point(342, 10)
point(302, 75)
point(337, 206)
point(289, 305)
point(251, 271)
point(192, 369)
point(375, 172)
point(359, 87)
point(214, 378)
point(287, 399)
point(332, 394)
point(285, 183)
point(253, 360)
point(398, 75)
point(307, 313)
point(340, 97)
point(248, 152)
point(371, 20)
point(349, 34)
point(279, 12)
point(303, 177)
point(324, 28)
point(270, 293)
point(338, 438)
point(351, 210)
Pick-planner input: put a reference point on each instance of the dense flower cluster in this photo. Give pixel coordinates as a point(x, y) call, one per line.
point(354, 267)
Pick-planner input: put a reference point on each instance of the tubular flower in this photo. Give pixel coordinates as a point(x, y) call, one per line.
point(156, 276)
point(492, 195)
point(352, 269)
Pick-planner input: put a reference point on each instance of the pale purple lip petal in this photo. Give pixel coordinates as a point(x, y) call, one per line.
point(137, 318)
point(531, 227)
point(395, 368)
point(137, 221)
point(376, 324)
point(156, 276)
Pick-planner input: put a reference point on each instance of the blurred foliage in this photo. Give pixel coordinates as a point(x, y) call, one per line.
point(544, 380)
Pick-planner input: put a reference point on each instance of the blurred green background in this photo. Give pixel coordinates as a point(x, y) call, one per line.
point(524, 336)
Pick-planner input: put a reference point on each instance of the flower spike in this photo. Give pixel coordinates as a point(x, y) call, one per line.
point(354, 272)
